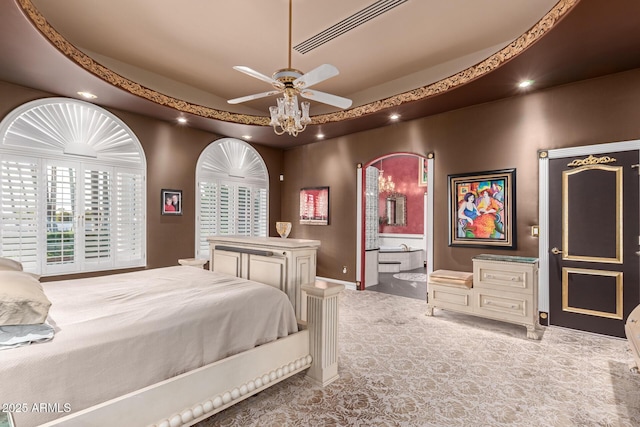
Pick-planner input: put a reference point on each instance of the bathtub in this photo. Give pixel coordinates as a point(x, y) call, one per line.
point(408, 257)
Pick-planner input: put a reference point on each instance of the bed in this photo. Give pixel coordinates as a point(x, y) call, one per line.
point(141, 348)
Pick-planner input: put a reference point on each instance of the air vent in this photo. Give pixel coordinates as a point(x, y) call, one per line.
point(347, 24)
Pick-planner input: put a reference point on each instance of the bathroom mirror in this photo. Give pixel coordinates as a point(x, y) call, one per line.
point(396, 209)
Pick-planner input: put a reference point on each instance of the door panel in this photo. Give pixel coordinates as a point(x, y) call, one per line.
point(580, 213)
point(593, 237)
point(592, 292)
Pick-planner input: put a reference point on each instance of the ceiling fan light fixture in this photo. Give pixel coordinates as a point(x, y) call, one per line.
point(288, 117)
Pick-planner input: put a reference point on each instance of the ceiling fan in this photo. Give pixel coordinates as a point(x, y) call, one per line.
point(290, 82)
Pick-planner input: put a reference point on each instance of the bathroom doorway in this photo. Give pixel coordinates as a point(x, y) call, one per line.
point(395, 229)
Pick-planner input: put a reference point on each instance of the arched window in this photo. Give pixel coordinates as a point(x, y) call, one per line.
point(72, 189)
point(233, 187)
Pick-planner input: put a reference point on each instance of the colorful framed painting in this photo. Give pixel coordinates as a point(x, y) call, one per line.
point(482, 209)
point(422, 174)
point(171, 202)
point(314, 206)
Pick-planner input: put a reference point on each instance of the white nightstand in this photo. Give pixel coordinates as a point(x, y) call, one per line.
point(193, 262)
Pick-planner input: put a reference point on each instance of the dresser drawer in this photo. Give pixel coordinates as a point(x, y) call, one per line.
point(450, 297)
point(511, 278)
point(506, 306)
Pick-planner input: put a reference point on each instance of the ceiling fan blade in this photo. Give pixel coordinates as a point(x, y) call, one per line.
point(257, 75)
point(318, 74)
point(252, 97)
point(326, 98)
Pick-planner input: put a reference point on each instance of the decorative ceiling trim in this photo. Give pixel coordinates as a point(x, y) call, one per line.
point(493, 62)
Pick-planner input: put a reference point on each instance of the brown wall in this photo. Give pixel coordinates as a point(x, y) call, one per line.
point(497, 135)
point(172, 152)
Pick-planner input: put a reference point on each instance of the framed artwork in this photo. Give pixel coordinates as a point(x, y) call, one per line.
point(314, 206)
point(171, 202)
point(422, 173)
point(482, 209)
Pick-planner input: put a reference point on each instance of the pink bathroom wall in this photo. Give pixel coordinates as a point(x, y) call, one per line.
point(404, 170)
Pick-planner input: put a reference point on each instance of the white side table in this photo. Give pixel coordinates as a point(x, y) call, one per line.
point(193, 262)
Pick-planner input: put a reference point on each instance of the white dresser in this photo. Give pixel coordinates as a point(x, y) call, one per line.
point(506, 288)
point(286, 264)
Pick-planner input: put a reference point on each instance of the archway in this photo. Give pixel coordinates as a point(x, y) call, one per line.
point(406, 238)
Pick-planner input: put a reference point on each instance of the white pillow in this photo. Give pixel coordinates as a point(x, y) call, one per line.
point(22, 299)
point(9, 264)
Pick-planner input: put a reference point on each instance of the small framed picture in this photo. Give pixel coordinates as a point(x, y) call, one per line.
point(314, 206)
point(171, 201)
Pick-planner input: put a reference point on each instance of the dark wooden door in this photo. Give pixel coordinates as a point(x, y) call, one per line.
point(593, 239)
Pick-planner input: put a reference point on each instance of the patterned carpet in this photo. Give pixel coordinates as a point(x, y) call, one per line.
point(399, 367)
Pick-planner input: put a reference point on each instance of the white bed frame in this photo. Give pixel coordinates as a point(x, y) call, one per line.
point(193, 396)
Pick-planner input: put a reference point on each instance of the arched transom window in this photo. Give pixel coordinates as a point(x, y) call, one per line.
point(72, 189)
point(233, 189)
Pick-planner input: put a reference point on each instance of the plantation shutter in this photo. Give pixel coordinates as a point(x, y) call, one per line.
point(243, 217)
point(19, 211)
point(260, 212)
point(97, 217)
point(130, 218)
point(233, 193)
point(208, 218)
point(227, 210)
point(76, 201)
point(61, 218)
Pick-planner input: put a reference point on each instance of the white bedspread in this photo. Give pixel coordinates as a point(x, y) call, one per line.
point(116, 334)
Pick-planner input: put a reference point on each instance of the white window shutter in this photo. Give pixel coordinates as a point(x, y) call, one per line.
point(243, 217)
point(97, 217)
point(130, 218)
point(60, 214)
point(260, 199)
point(19, 211)
point(233, 187)
point(208, 216)
point(76, 201)
point(227, 218)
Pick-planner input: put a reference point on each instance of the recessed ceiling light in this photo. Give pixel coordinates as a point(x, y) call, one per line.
point(246, 136)
point(182, 120)
point(394, 116)
point(525, 83)
point(320, 136)
point(87, 95)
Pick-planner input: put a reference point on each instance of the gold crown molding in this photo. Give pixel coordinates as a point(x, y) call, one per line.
point(491, 63)
point(113, 78)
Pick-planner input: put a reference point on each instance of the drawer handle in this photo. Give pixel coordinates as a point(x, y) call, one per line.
point(493, 276)
point(491, 303)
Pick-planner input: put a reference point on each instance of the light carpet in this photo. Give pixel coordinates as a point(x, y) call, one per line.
point(399, 367)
